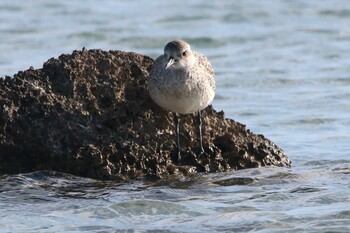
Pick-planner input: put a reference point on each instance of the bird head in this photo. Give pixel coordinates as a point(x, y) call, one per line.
point(178, 54)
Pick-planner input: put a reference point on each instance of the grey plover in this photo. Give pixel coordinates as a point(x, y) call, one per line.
point(182, 81)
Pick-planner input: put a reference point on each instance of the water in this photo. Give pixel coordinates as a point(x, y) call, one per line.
point(282, 68)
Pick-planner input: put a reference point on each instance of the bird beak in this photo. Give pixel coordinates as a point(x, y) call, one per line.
point(170, 63)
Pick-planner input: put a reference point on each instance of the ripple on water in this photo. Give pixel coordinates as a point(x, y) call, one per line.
point(282, 69)
point(261, 198)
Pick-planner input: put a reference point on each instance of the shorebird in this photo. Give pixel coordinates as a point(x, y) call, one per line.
point(182, 81)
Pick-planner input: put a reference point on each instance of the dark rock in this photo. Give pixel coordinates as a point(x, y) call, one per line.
point(89, 114)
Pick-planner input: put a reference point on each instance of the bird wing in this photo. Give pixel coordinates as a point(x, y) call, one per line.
point(203, 61)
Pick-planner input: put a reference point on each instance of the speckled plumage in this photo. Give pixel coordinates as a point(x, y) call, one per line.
point(181, 80)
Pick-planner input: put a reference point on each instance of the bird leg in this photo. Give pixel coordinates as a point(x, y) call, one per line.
point(200, 131)
point(177, 130)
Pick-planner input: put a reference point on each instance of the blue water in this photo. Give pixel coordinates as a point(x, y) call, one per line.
point(282, 68)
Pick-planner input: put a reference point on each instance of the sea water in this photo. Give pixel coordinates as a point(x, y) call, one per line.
point(282, 68)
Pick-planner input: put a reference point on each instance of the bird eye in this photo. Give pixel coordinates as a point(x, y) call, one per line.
point(184, 53)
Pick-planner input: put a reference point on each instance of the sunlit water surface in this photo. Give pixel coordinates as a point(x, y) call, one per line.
point(282, 68)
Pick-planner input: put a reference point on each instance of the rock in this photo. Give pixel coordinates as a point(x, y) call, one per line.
point(89, 114)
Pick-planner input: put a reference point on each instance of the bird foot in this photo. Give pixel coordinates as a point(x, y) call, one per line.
point(176, 156)
point(201, 154)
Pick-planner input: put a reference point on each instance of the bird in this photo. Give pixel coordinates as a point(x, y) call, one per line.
point(182, 81)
